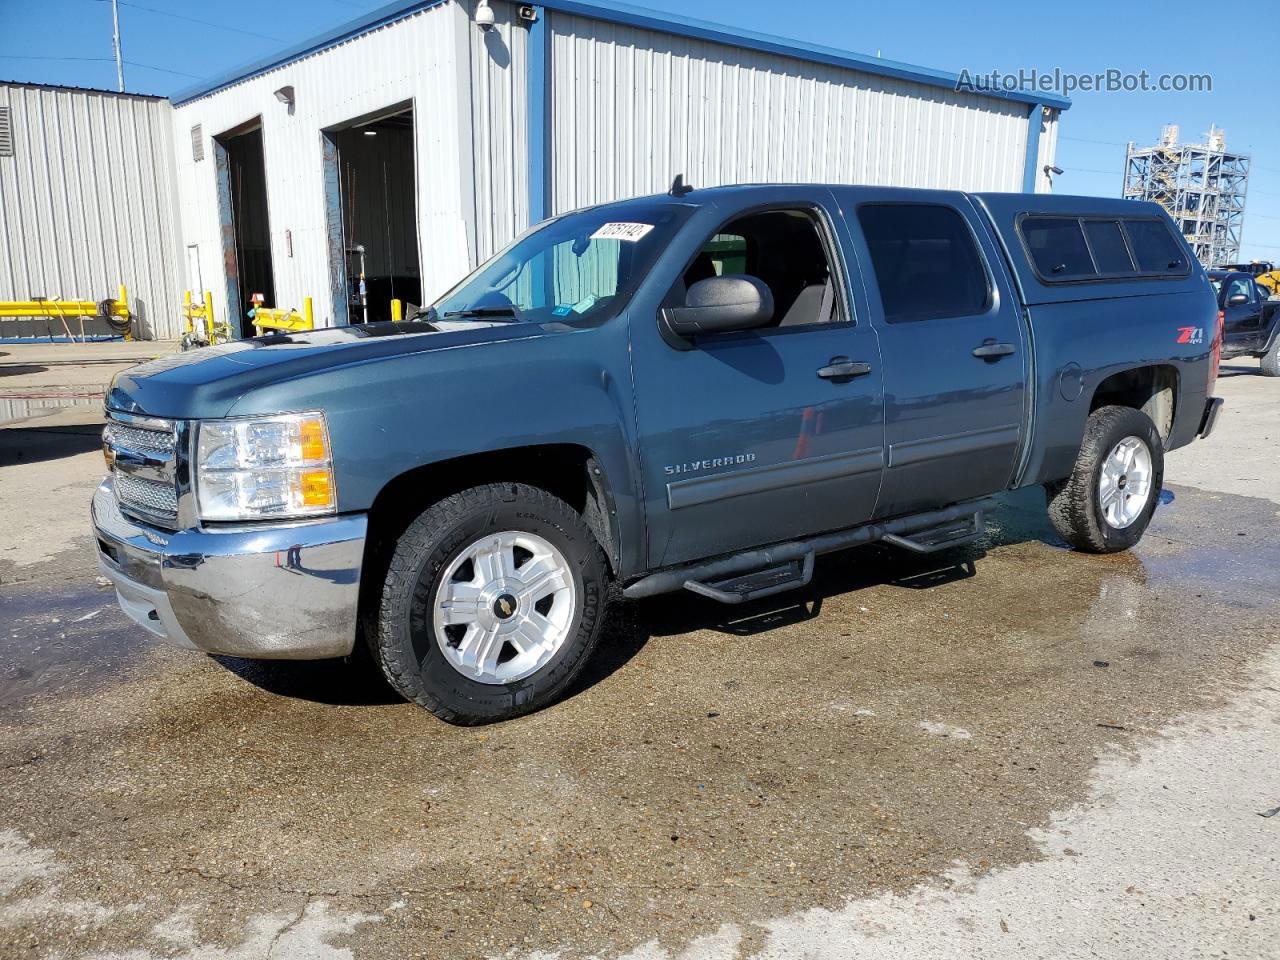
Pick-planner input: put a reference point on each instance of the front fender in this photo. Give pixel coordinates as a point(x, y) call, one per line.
point(395, 414)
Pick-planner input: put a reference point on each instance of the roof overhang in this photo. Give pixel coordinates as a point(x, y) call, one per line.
point(622, 13)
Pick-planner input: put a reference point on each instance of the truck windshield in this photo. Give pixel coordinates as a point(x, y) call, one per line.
point(580, 268)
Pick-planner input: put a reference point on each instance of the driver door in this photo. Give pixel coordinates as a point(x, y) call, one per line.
point(1242, 322)
point(748, 438)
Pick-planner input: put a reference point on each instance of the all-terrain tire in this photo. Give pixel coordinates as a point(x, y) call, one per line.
point(1075, 506)
point(1270, 361)
point(402, 635)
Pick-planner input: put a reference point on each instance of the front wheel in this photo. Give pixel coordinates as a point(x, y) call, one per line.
point(492, 604)
point(1108, 501)
point(1270, 361)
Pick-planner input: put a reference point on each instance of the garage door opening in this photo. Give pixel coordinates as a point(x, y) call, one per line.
point(246, 229)
point(371, 188)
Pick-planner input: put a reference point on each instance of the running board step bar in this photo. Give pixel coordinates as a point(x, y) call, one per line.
point(769, 570)
point(761, 583)
point(942, 537)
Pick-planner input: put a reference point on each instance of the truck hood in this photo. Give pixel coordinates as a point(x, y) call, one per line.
point(207, 382)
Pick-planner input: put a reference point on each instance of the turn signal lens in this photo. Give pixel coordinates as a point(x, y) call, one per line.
point(317, 488)
point(312, 440)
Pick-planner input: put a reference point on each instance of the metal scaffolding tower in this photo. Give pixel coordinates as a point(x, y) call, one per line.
point(1201, 185)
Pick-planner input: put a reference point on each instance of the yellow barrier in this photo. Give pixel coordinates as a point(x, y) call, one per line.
point(274, 318)
point(397, 311)
point(67, 309)
point(212, 331)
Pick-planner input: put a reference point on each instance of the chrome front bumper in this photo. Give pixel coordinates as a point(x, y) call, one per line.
point(281, 591)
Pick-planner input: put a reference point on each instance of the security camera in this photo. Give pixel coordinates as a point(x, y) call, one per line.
point(1056, 171)
point(484, 15)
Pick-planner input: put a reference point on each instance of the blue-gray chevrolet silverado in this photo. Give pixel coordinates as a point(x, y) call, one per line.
point(702, 390)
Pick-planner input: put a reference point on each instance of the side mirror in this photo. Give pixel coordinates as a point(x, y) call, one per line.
point(721, 305)
point(1237, 299)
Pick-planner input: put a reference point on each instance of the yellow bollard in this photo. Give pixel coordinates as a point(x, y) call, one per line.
point(307, 315)
point(397, 311)
point(208, 316)
point(122, 302)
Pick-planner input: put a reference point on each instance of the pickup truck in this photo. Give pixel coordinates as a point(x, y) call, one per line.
point(1251, 320)
point(702, 390)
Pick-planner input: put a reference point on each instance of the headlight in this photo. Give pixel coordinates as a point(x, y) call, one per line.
point(263, 467)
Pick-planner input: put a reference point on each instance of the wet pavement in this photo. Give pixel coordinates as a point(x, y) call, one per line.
point(953, 742)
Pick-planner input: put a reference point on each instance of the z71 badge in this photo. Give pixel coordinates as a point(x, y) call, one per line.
point(1192, 335)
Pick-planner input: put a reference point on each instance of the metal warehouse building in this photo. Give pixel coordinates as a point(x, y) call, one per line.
point(409, 145)
point(87, 202)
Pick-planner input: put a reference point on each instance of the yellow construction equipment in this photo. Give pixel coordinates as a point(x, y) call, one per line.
point(278, 320)
point(1271, 281)
point(115, 312)
point(209, 330)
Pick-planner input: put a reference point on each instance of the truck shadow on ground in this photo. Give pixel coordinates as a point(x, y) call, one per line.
point(34, 444)
point(1019, 518)
point(1231, 370)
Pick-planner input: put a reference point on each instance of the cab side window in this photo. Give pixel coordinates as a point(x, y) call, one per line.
point(784, 249)
point(1239, 286)
point(926, 262)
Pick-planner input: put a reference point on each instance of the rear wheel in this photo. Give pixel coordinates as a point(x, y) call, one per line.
point(492, 604)
point(1110, 497)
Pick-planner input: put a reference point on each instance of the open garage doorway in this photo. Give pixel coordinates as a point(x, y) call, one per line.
point(242, 211)
point(371, 198)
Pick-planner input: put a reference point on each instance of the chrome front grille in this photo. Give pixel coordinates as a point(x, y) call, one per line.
point(145, 441)
point(154, 498)
point(146, 455)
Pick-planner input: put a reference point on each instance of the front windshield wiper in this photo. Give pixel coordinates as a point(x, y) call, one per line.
point(505, 314)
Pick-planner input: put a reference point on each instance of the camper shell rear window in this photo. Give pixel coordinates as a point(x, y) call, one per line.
point(1074, 249)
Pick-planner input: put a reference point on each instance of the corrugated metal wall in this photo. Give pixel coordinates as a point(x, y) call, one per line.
point(412, 60)
point(87, 202)
point(499, 124)
point(633, 107)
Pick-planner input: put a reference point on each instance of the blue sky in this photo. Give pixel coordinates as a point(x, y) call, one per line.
point(168, 53)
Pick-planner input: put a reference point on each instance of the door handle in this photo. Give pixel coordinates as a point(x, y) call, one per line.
point(990, 350)
point(840, 369)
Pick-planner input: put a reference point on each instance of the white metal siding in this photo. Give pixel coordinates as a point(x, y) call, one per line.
point(499, 123)
point(87, 203)
point(409, 60)
point(633, 107)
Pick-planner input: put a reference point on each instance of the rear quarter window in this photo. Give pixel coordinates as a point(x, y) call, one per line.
point(1057, 246)
point(1154, 247)
point(1110, 252)
point(1067, 249)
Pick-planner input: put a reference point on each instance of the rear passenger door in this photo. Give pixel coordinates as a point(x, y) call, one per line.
point(953, 343)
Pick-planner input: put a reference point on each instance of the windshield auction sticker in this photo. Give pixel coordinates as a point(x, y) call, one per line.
point(630, 232)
